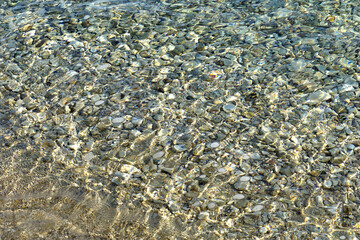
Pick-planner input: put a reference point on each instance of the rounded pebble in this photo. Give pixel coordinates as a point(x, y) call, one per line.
point(118, 120)
point(258, 208)
point(99, 102)
point(239, 196)
point(229, 107)
point(180, 148)
point(103, 66)
point(244, 178)
point(214, 145)
point(211, 205)
point(89, 156)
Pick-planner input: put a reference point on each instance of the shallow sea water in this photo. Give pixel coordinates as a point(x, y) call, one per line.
point(65, 175)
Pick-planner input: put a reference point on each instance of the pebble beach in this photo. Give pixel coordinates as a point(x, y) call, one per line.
point(164, 119)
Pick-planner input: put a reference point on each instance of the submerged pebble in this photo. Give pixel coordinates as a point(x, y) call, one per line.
point(217, 120)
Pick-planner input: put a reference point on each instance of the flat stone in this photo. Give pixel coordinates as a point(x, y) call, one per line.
point(118, 120)
point(158, 155)
point(89, 156)
point(258, 208)
point(211, 205)
point(245, 178)
point(242, 186)
point(317, 97)
point(180, 148)
point(99, 102)
point(229, 107)
point(214, 145)
point(239, 196)
point(103, 66)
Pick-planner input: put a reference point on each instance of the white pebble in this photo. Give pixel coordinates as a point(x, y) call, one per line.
point(158, 155)
point(238, 153)
point(89, 156)
point(211, 205)
point(244, 179)
point(317, 97)
point(37, 135)
point(295, 140)
point(328, 183)
point(180, 148)
point(229, 107)
point(221, 170)
point(95, 98)
point(255, 156)
point(171, 96)
point(239, 196)
point(214, 145)
point(135, 132)
point(103, 67)
point(130, 169)
point(258, 208)
point(204, 215)
point(231, 98)
point(99, 102)
point(118, 120)
point(136, 121)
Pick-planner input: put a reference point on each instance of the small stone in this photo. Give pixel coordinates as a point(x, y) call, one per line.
point(282, 13)
point(135, 133)
point(242, 186)
point(14, 68)
point(229, 107)
point(269, 177)
point(245, 167)
point(239, 196)
point(263, 230)
point(203, 215)
point(297, 66)
point(199, 149)
point(180, 148)
point(103, 66)
point(231, 98)
point(258, 208)
point(339, 159)
point(136, 121)
point(129, 169)
point(345, 88)
point(238, 153)
point(214, 145)
point(244, 178)
point(242, 203)
point(328, 183)
point(95, 98)
point(317, 97)
point(171, 96)
point(211, 205)
point(158, 155)
point(89, 156)
point(99, 102)
point(221, 170)
point(118, 120)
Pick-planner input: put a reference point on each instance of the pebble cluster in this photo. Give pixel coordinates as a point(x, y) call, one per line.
point(180, 119)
